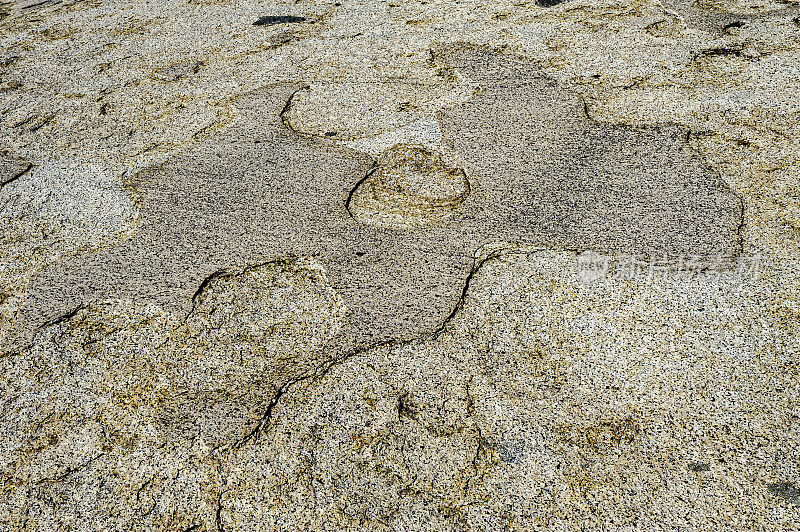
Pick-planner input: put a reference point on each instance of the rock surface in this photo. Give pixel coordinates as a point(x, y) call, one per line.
point(409, 187)
point(540, 172)
point(199, 332)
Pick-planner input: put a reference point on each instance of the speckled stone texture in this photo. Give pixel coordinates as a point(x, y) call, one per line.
point(539, 172)
point(241, 287)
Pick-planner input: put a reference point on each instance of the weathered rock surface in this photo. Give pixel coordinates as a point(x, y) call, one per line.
point(539, 172)
point(408, 187)
point(175, 365)
point(545, 403)
point(114, 413)
point(548, 402)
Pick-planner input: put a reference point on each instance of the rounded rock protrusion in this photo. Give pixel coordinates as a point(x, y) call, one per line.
point(409, 187)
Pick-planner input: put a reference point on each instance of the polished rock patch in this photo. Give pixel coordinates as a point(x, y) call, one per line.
point(48, 212)
point(539, 172)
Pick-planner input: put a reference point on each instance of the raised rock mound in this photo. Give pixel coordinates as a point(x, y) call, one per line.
point(409, 187)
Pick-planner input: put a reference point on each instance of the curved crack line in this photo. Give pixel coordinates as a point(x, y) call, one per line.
point(355, 187)
point(321, 370)
point(70, 471)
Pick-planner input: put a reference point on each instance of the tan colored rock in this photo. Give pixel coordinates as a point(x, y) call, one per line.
point(409, 187)
point(547, 401)
point(116, 410)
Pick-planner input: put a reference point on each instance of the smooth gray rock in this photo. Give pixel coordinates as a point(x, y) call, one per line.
point(540, 173)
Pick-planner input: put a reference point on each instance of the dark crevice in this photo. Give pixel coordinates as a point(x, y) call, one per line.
point(317, 373)
point(43, 3)
point(476, 267)
point(64, 317)
point(234, 272)
point(368, 173)
point(17, 175)
point(403, 406)
point(218, 515)
point(739, 231)
point(262, 424)
point(549, 3)
point(219, 274)
point(254, 434)
point(733, 25)
point(70, 471)
point(286, 107)
point(735, 50)
point(740, 227)
point(271, 20)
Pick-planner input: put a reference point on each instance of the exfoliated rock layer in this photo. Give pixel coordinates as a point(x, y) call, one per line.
point(538, 170)
point(166, 363)
point(547, 402)
point(409, 186)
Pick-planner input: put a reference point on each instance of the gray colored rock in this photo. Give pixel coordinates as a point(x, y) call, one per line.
point(540, 173)
point(725, 15)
